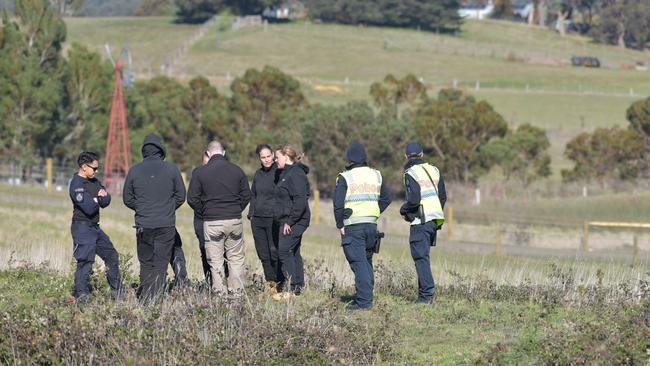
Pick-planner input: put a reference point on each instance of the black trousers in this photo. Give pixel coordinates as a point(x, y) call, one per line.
point(290, 259)
point(155, 247)
point(198, 230)
point(178, 261)
point(265, 234)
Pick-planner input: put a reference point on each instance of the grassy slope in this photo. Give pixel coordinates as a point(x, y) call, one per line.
point(488, 51)
point(151, 39)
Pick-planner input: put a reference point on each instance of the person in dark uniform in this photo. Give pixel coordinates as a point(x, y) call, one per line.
point(265, 230)
point(292, 214)
point(360, 196)
point(88, 196)
point(154, 189)
point(425, 202)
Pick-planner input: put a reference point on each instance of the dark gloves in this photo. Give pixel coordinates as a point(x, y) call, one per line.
point(409, 216)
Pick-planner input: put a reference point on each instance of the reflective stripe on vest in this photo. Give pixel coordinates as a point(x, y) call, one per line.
point(428, 192)
point(362, 196)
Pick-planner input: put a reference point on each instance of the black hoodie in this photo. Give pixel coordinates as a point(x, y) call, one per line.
point(154, 188)
point(291, 196)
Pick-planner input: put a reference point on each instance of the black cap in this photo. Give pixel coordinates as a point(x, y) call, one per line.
point(413, 149)
point(356, 153)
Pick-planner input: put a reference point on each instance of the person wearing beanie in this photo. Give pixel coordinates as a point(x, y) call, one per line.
point(154, 189)
point(423, 209)
point(360, 196)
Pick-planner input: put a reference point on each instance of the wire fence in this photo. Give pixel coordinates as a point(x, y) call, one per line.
point(507, 233)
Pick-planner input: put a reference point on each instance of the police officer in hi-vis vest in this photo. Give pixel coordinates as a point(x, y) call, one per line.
point(425, 200)
point(360, 197)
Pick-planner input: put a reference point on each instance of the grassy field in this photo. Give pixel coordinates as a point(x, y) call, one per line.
point(506, 58)
point(511, 309)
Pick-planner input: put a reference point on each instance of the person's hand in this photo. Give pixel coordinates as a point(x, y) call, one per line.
point(102, 193)
point(342, 231)
point(286, 229)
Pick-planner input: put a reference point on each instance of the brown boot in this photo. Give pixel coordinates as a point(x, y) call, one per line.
point(271, 288)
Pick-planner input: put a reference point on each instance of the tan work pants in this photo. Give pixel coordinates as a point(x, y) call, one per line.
point(225, 237)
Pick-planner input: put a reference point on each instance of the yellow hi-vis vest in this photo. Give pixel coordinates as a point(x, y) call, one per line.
point(428, 192)
point(362, 196)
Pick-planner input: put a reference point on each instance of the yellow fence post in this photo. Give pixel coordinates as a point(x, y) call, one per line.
point(497, 246)
point(450, 222)
point(316, 206)
point(49, 175)
point(635, 249)
point(585, 237)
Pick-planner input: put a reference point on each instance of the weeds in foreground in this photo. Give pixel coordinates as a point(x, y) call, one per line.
point(599, 324)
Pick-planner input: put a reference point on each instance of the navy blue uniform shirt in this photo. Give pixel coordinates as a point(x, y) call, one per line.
point(86, 202)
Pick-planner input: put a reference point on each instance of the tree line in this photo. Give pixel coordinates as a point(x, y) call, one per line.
point(432, 15)
point(625, 23)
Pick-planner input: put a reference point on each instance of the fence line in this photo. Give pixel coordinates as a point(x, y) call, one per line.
point(168, 66)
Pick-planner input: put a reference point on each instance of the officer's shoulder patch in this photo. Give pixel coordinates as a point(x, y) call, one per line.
point(79, 197)
point(79, 190)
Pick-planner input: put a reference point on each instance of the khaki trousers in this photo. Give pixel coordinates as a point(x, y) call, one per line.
point(225, 237)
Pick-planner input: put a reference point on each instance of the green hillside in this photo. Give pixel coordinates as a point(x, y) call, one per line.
point(524, 72)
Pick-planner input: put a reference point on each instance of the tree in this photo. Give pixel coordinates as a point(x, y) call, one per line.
point(562, 10)
point(521, 154)
point(432, 15)
point(327, 132)
point(261, 98)
point(197, 11)
point(605, 153)
point(624, 23)
point(88, 88)
point(503, 9)
point(66, 7)
point(163, 101)
point(389, 95)
point(31, 87)
point(155, 8)
point(455, 127)
point(638, 114)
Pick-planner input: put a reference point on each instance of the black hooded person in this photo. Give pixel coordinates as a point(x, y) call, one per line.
point(154, 189)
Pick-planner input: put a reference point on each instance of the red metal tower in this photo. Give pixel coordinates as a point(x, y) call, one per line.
point(118, 147)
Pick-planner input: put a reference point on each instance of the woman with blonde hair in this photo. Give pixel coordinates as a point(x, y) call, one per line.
point(292, 215)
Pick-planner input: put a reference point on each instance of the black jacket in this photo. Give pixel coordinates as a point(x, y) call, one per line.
point(154, 188)
point(85, 201)
point(292, 195)
point(262, 192)
point(342, 189)
point(412, 203)
point(219, 190)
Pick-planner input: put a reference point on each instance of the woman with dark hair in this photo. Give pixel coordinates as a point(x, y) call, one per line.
point(265, 230)
point(292, 216)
